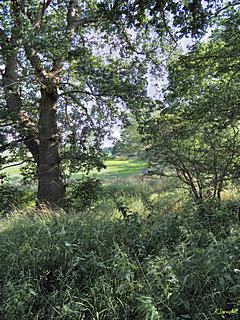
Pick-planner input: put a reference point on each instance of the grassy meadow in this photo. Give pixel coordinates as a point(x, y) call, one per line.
point(139, 250)
point(119, 169)
point(115, 169)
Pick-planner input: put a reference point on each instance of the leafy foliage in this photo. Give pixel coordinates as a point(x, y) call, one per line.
point(205, 158)
point(187, 17)
point(129, 145)
point(92, 58)
point(195, 131)
point(83, 192)
point(63, 51)
point(139, 250)
point(11, 199)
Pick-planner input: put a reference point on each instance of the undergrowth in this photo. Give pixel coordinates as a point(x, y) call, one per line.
point(94, 265)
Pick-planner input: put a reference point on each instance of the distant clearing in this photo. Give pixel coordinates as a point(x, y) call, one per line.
point(115, 169)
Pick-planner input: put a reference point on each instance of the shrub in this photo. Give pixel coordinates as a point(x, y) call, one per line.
point(11, 198)
point(84, 192)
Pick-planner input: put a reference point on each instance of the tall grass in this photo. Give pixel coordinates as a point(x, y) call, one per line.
point(94, 265)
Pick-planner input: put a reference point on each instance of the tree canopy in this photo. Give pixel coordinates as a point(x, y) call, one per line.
point(196, 128)
point(69, 69)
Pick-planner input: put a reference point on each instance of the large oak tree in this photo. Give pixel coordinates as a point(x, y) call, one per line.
point(60, 78)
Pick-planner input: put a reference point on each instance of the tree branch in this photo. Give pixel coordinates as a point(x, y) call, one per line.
point(37, 23)
point(69, 93)
point(6, 124)
point(35, 62)
point(226, 7)
point(85, 21)
point(71, 15)
point(12, 165)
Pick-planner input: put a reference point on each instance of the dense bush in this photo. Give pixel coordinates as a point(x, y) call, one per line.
point(83, 192)
point(11, 198)
point(170, 266)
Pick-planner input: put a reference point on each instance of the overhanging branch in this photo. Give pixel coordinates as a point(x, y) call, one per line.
point(12, 165)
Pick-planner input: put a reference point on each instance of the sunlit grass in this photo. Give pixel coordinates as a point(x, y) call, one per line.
point(118, 169)
point(115, 169)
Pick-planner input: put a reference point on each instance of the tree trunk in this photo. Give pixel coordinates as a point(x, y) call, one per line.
point(50, 184)
point(23, 123)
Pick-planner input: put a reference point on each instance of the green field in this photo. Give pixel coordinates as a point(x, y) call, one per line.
point(116, 169)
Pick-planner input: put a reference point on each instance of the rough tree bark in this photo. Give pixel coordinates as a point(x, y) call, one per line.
point(23, 123)
point(50, 185)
